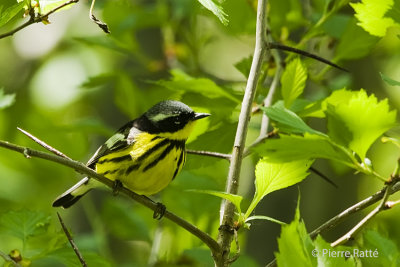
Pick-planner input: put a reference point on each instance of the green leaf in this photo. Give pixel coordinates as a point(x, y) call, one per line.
point(235, 199)
point(287, 120)
point(10, 12)
point(371, 16)
point(244, 66)
point(182, 82)
point(295, 245)
point(310, 146)
point(216, 9)
point(6, 100)
point(24, 223)
point(274, 176)
point(357, 121)
point(48, 5)
point(387, 250)
point(293, 81)
point(262, 217)
point(389, 80)
point(322, 250)
point(348, 48)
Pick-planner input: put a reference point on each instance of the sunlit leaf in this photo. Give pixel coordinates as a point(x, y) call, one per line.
point(6, 100)
point(216, 9)
point(235, 199)
point(348, 49)
point(310, 146)
point(24, 223)
point(295, 245)
point(274, 176)
point(287, 120)
point(357, 121)
point(48, 5)
point(389, 80)
point(183, 82)
point(388, 251)
point(9, 13)
point(293, 81)
point(322, 249)
point(371, 16)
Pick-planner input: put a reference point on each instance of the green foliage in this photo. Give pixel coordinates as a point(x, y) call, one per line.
point(274, 176)
point(216, 9)
point(389, 81)
point(309, 146)
point(293, 81)
point(40, 244)
point(6, 100)
point(371, 14)
point(357, 121)
point(24, 224)
point(288, 121)
point(10, 12)
point(181, 82)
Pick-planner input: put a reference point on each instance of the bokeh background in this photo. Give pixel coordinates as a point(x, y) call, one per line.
point(74, 86)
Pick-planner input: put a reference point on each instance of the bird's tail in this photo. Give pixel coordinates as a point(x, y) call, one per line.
point(72, 195)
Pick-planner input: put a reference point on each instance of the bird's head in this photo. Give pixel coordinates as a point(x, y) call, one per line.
point(171, 119)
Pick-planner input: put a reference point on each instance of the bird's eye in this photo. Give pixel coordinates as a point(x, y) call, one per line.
point(177, 120)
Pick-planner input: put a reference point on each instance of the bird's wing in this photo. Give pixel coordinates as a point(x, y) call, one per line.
point(123, 138)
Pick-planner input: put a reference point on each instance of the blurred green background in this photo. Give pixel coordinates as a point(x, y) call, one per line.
point(75, 86)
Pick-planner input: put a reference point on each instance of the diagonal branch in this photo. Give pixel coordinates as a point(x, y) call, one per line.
point(209, 153)
point(37, 18)
point(72, 242)
point(82, 168)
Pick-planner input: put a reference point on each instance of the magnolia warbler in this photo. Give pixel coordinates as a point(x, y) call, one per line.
point(145, 155)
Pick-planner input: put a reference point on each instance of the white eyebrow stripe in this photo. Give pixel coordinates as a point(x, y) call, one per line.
point(160, 117)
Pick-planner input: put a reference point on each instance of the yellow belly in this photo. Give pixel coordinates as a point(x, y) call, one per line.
point(147, 166)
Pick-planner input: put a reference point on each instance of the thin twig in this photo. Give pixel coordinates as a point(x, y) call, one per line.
point(382, 206)
point(82, 168)
point(225, 236)
point(9, 259)
point(323, 176)
point(35, 19)
point(209, 153)
point(304, 53)
point(43, 144)
point(71, 241)
point(351, 210)
point(99, 23)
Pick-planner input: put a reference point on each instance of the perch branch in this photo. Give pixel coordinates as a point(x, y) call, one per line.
point(209, 153)
point(82, 168)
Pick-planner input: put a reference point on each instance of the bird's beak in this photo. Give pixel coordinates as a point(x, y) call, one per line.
point(198, 116)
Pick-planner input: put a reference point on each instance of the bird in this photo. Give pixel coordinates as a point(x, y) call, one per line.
point(144, 155)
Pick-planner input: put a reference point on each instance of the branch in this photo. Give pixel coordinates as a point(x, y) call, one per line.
point(7, 258)
point(37, 18)
point(71, 241)
point(82, 168)
point(209, 153)
point(99, 23)
point(273, 45)
point(226, 233)
point(353, 209)
point(382, 206)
